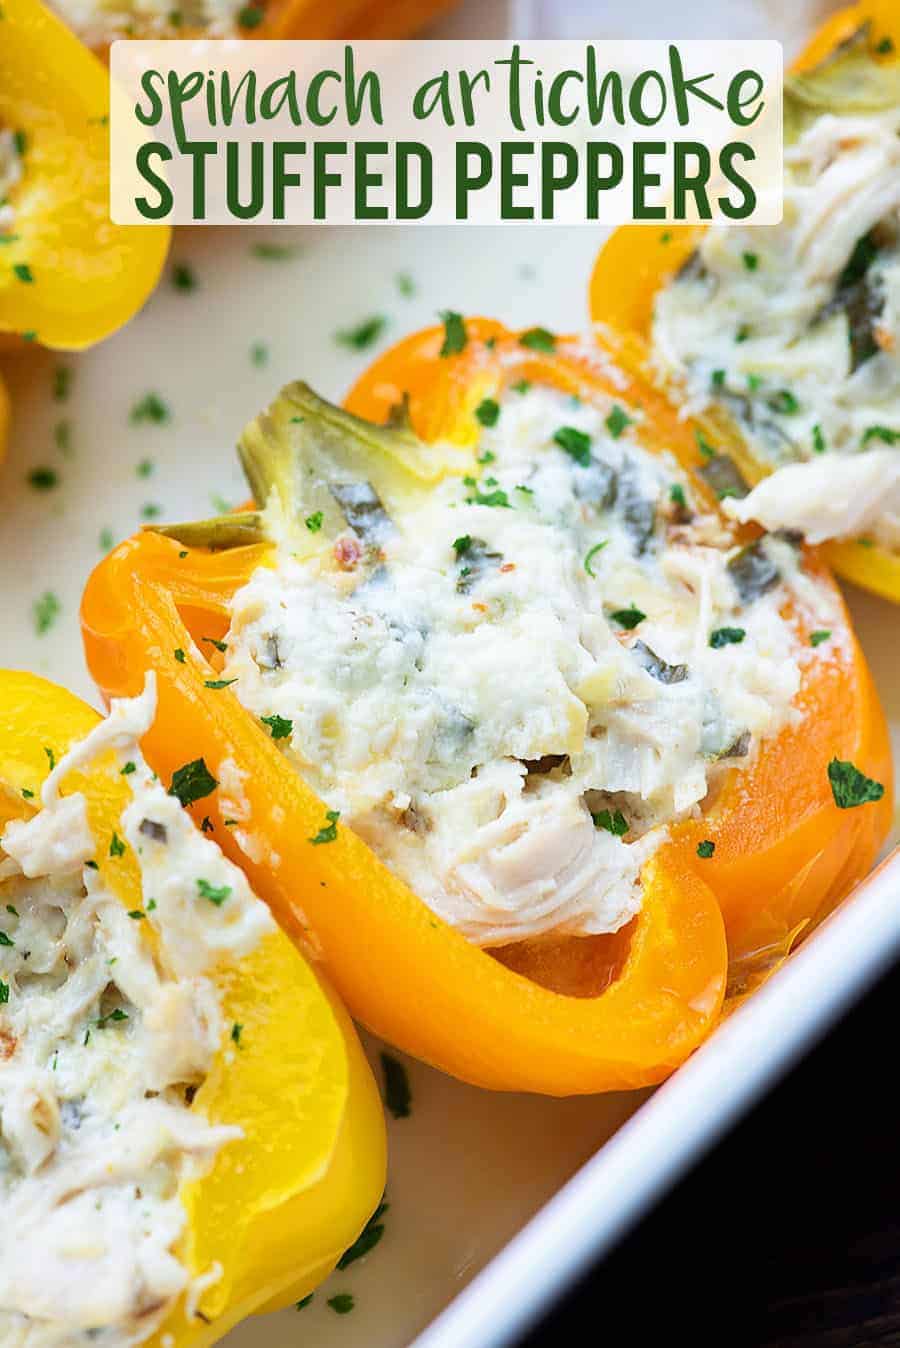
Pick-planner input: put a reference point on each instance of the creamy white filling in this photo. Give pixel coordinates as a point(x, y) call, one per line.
point(104, 1035)
point(98, 22)
point(468, 726)
point(758, 324)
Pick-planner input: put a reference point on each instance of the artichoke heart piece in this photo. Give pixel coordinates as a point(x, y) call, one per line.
point(849, 81)
point(313, 469)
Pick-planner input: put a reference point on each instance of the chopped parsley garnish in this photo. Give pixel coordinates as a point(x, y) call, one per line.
point(216, 894)
point(885, 46)
point(364, 334)
point(521, 386)
point(397, 1094)
point(592, 552)
point(742, 333)
point(5, 940)
point(706, 848)
point(279, 726)
point(488, 413)
point(783, 401)
point(218, 683)
point(4, 992)
point(313, 522)
point(328, 832)
point(10, 907)
point(628, 617)
point(677, 496)
point(22, 272)
point(43, 479)
point(706, 449)
point(45, 611)
point(51, 757)
point(750, 260)
point(613, 821)
point(273, 252)
point(575, 442)
point(617, 420)
point(207, 825)
point(304, 1302)
point(145, 468)
point(462, 545)
point(251, 16)
point(116, 846)
point(62, 383)
point(850, 787)
point(497, 497)
point(62, 435)
point(367, 1239)
point(179, 655)
point(718, 378)
point(236, 1030)
point(150, 408)
point(343, 1303)
point(183, 277)
point(818, 439)
point(219, 645)
point(151, 905)
point(487, 457)
point(884, 433)
point(816, 638)
point(26, 795)
point(113, 1018)
point(192, 782)
point(150, 510)
point(455, 335)
point(137, 914)
point(538, 339)
point(405, 284)
point(106, 539)
point(128, 769)
point(726, 636)
point(754, 382)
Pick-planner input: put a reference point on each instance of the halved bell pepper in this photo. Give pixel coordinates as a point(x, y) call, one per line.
point(68, 275)
point(638, 260)
point(564, 1016)
point(282, 1202)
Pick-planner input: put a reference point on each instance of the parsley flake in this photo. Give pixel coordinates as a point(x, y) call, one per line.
point(613, 821)
point(328, 832)
point(342, 1304)
point(816, 638)
point(617, 420)
point(592, 552)
point(576, 443)
point(218, 683)
point(367, 1239)
point(216, 894)
point(45, 611)
point(628, 617)
point(850, 787)
point(726, 636)
point(150, 408)
point(455, 335)
point(183, 277)
point(488, 413)
point(116, 846)
point(706, 848)
point(538, 339)
point(280, 726)
point(192, 782)
point(43, 479)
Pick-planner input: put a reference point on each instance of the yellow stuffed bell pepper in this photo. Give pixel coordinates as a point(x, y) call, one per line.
point(190, 1130)
point(788, 336)
point(101, 22)
point(68, 276)
point(531, 1006)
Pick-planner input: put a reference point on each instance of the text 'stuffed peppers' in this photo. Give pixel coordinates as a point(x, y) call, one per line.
point(567, 1015)
point(637, 261)
point(287, 1196)
point(68, 276)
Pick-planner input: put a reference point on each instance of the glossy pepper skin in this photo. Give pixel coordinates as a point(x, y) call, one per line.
point(574, 1015)
point(87, 275)
point(282, 1203)
point(638, 260)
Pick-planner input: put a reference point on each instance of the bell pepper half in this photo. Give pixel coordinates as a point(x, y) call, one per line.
point(68, 276)
point(638, 260)
point(576, 1014)
point(281, 1203)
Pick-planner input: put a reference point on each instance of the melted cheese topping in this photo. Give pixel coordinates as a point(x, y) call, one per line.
point(795, 330)
point(104, 1037)
point(468, 695)
point(98, 22)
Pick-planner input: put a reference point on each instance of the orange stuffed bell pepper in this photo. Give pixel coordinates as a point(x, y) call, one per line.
point(177, 1087)
point(788, 337)
point(498, 715)
point(98, 23)
point(68, 276)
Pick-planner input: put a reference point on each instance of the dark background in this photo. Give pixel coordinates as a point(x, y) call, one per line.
point(788, 1234)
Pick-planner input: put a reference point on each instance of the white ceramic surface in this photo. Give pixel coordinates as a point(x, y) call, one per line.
point(468, 1168)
